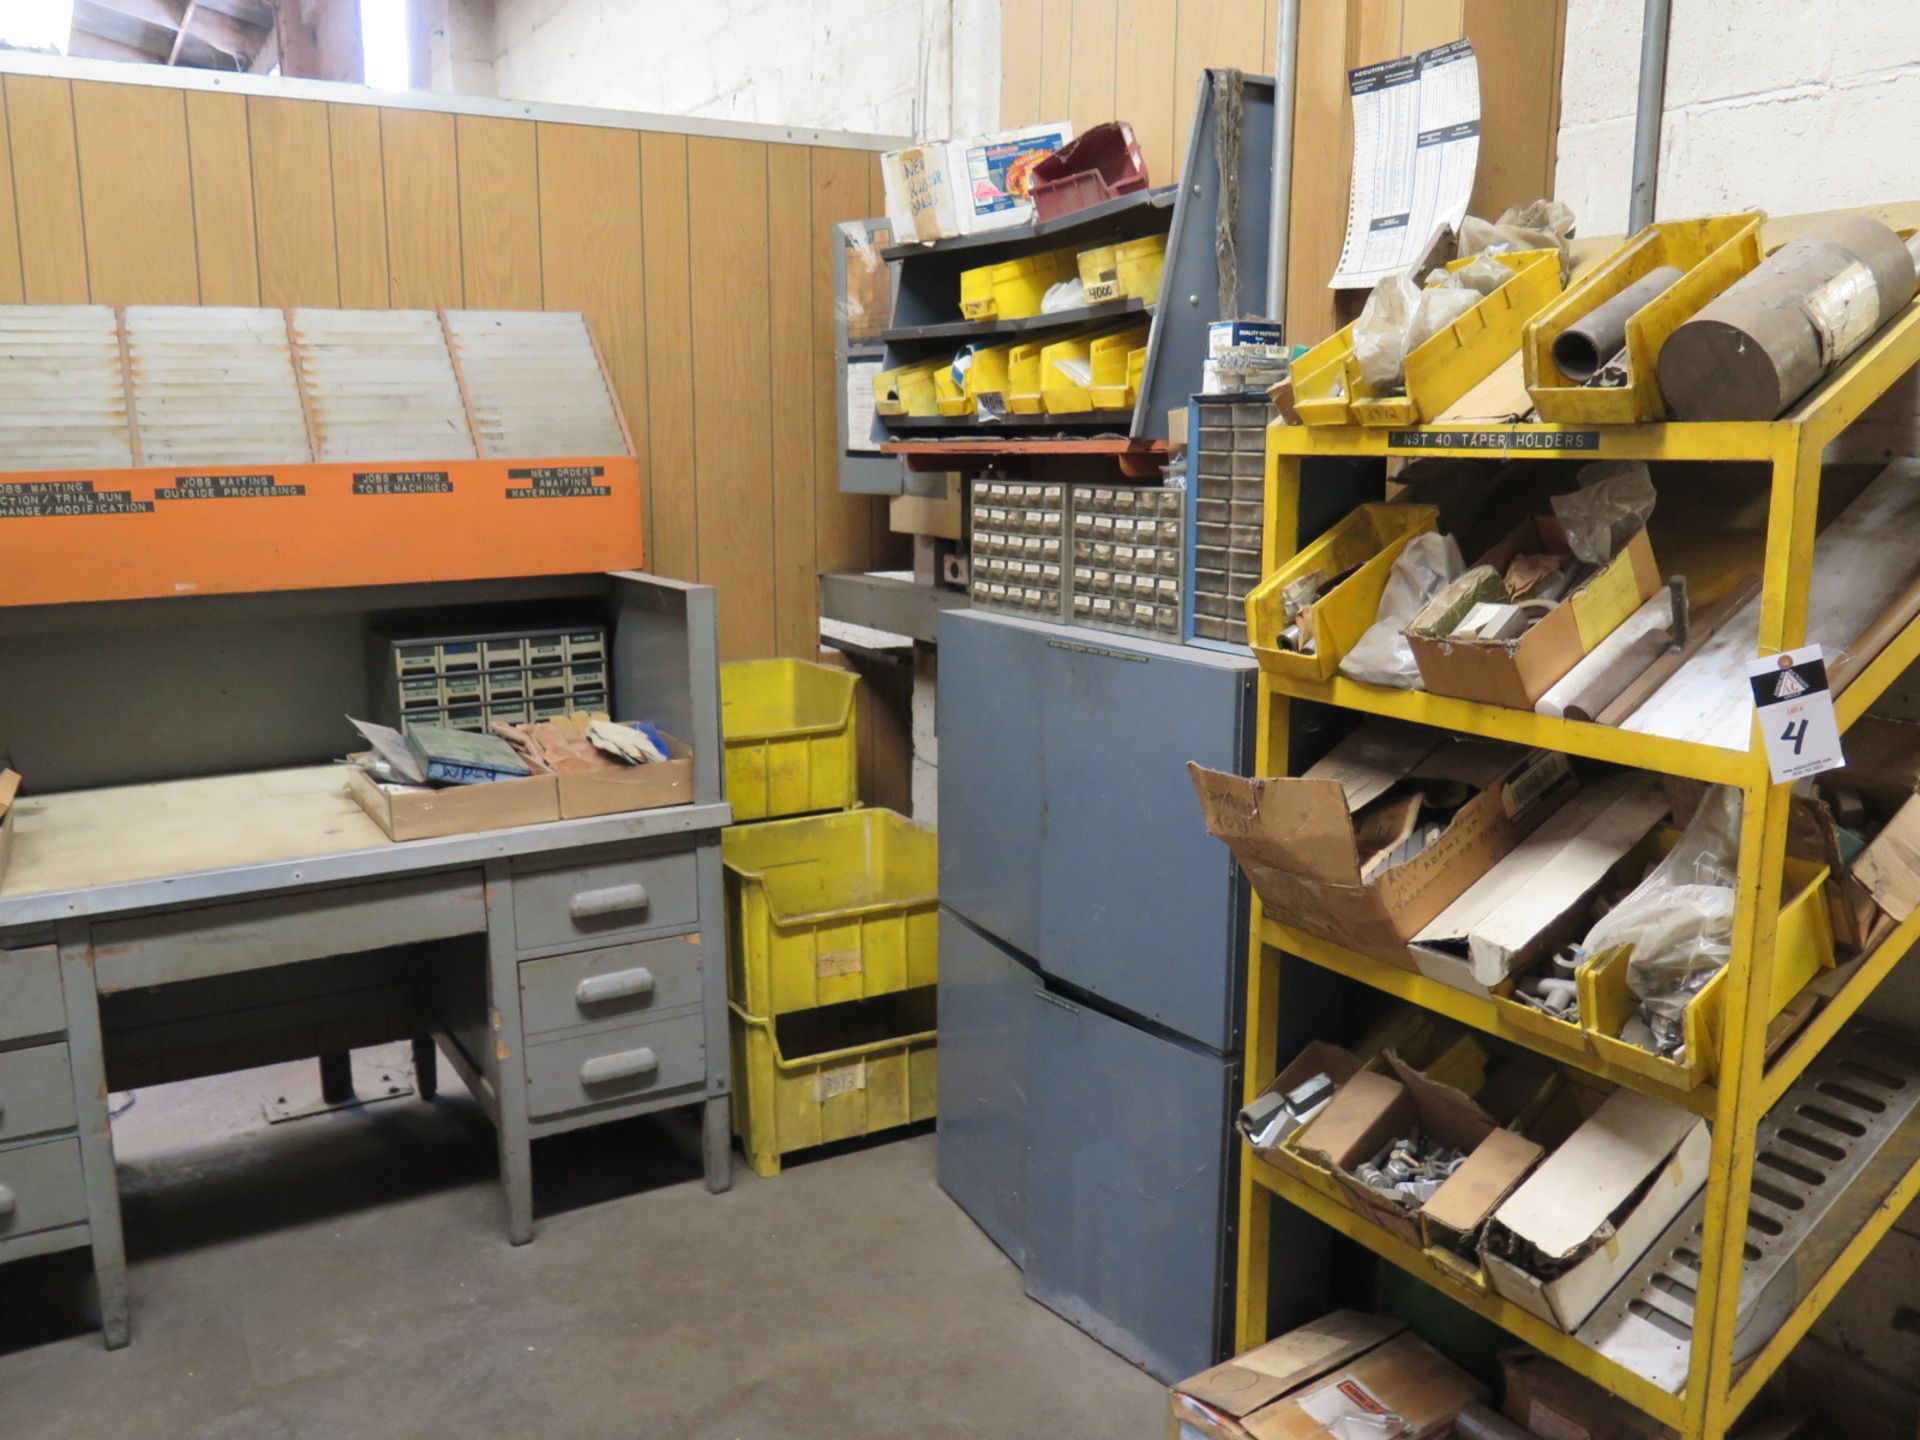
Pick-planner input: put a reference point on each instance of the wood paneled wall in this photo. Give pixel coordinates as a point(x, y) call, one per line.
point(703, 265)
point(1140, 61)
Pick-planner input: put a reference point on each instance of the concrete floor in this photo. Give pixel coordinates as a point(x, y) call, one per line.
point(347, 1276)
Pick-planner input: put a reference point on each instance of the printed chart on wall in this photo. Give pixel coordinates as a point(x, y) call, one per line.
point(1416, 144)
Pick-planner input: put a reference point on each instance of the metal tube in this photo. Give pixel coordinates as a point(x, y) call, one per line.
point(1596, 337)
point(1646, 124)
point(1280, 199)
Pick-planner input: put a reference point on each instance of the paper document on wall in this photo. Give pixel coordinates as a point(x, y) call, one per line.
point(1416, 143)
point(860, 412)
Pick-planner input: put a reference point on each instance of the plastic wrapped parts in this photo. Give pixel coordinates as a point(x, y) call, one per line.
point(1382, 656)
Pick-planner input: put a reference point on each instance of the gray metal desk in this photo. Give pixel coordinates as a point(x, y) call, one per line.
point(185, 926)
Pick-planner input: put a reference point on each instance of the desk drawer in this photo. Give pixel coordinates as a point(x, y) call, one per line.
point(628, 1064)
point(36, 1092)
point(30, 999)
point(41, 1186)
point(606, 898)
point(622, 982)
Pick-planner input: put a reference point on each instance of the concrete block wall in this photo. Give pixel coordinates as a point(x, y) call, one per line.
point(1780, 105)
point(888, 67)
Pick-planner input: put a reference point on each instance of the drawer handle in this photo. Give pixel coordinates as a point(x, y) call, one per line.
point(621, 985)
point(610, 1069)
point(6, 1203)
point(615, 900)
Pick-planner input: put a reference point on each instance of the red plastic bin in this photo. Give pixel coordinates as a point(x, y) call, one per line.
point(1095, 166)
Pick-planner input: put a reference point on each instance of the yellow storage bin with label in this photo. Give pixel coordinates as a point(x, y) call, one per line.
point(1140, 263)
point(830, 908)
point(1711, 253)
point(836, 1073)
point(1108, 358)
point(1100, 274)
point(976, 293)
point(1320, 382)
point(908, 390)
point(790, 739)
point(1367, 540)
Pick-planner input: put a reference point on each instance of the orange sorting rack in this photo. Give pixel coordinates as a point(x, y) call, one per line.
point(149, 530)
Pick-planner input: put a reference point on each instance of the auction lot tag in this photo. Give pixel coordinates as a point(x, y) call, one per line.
point(1795, 707)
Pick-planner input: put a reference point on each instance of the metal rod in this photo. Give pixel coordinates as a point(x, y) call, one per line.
point(1646, 124)
point(1280, 200)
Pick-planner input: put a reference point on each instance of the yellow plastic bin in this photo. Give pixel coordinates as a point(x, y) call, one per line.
point(1140, 263)
point(1459, 357)
point(985, 373)
point(1803, 947)
point(1713, 254)
point(791, 745)
point(908, 390)
point(1014, 289)
point(830, 908)
point(1108, 357)
point(1100, 274)
point(1328, 388)
point(1369, 537)
point(836, 1073)
point(1023, 378)
point(976, 293)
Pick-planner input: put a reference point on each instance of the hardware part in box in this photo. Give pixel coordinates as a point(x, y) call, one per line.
point(1128, 554)
point(1229, 512)
point(467, 682)
point(1019, 547)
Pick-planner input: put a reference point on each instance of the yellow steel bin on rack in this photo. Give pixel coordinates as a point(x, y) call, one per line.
point(1367, 540)
point(1803, 947)
point(790, 740)
point(1713, 253)
point(830, 908)
point(836, 1073)
point(1320, 381)
point(1453, 361)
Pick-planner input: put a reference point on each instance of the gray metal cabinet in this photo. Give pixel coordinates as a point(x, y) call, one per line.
point(1093, 963)
point(1127, 1233)
point(1074, 835)
point(986, 1003)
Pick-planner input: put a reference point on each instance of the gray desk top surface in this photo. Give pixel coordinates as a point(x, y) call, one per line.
point(100, 853)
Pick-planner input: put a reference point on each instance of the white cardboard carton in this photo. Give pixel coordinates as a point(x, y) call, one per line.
point(1507, 917)
point(957, 187)
point(1573, 1212)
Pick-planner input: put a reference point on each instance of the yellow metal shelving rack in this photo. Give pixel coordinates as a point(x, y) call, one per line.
point(1718, 1390)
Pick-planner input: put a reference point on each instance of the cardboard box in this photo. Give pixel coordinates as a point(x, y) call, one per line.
point(1534, 897)
point(1551, 1400)
point(958, 187)
point(1561, 1241)
point(408, 814)
point(927, 514)
point(1515, 673)
point(611, 790)
point(1300, 846)
point(1370, 1112)
point(1318, 1058)
point(9, 788)
point(1452, 1219)
point(1301, 1386)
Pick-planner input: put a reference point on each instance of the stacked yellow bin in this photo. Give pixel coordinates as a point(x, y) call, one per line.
point(832, 934)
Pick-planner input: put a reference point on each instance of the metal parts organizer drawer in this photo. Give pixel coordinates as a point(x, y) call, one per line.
point(41, 1186)
point(621, 982)
point(626, 1064)
point(36, 1092)
point(30, 999)
point(642, 889)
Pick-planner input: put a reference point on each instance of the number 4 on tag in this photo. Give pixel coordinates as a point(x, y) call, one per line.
point(1795, 705)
